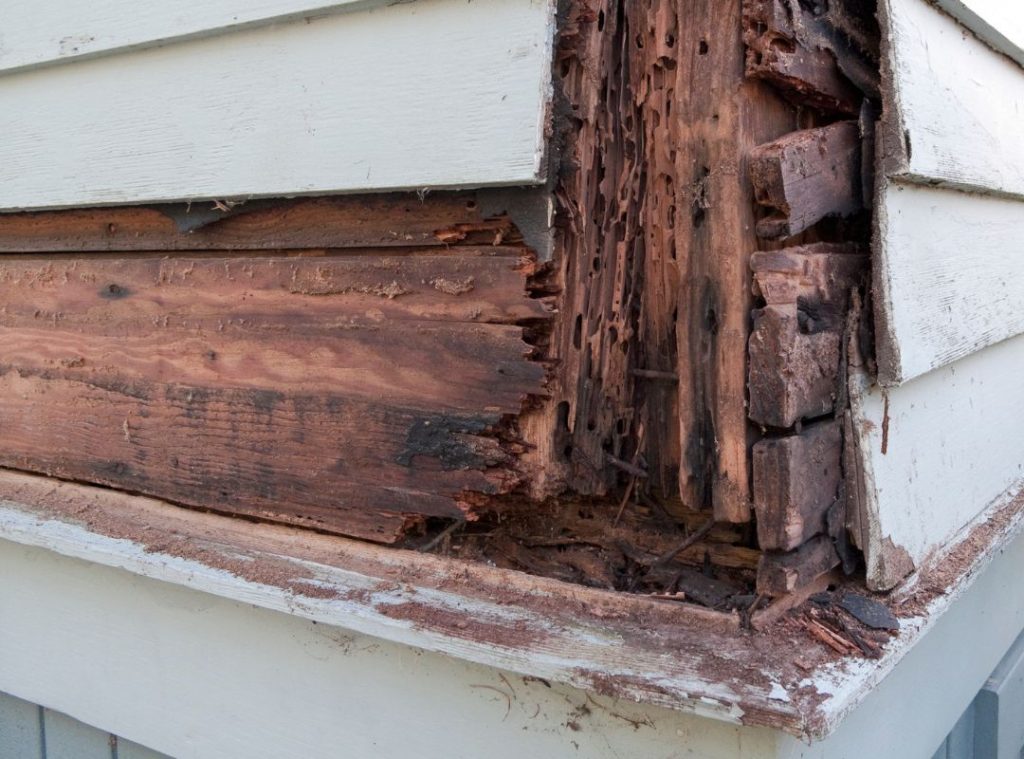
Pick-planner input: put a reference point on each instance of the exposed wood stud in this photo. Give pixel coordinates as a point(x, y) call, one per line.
point(796, 481)
point(826, 57)
point(781, 573)
point(806, 176)
point(797, 340)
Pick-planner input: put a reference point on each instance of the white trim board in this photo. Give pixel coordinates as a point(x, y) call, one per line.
point(203, 669)
point(999, 22)
point(58, 31)
point(201, 677)
point(959, 104)
point(429, 94)
point(937, 451)
point(947, 277)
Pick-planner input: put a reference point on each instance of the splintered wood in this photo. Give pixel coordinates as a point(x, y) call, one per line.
point(823, 56)
point(355, 389)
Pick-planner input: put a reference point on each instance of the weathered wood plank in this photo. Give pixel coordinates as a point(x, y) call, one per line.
point(806, 176)
point(935, 452)
point(797, 340)
point(805, 56)
point(66, 30)
point(782, 573)
point(956, 104)
point(796, 481)
point(349, 393)
point(441, 220)
point(723, 115)
point(135, 134)
point(947, 278)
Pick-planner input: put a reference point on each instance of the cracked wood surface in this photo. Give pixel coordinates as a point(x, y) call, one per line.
point(355, 391)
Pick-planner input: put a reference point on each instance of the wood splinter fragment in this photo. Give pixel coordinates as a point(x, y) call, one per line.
point(690, 540)
point(626, 467)
point(652, 374)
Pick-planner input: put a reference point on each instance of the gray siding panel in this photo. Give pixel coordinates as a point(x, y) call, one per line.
point(129, 750)
point(28, 731)
point(67, 738)
point(20, 733)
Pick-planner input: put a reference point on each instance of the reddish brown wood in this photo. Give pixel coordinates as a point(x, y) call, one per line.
point(781, 573)
point(806, 176)
point(797, 342)
point(365, 221)
point(355, 394)
point(719, 116)
point(796, 481)
point(826, 58)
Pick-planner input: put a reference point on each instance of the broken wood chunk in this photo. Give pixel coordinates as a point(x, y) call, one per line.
point(807, 176)
point(823, 57)
point(796, 481)
point(796, 344)
point(781, 573)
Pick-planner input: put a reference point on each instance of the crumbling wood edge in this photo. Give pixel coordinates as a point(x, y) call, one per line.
point(827, 60)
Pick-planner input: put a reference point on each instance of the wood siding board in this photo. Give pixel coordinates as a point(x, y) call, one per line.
point(959, 103)
point(64, 31)
point(352, 393)
point(397, 220)
point(998, 23)
point(947, 278)
point(722, 116)
point(936, 452)
point(345, 102)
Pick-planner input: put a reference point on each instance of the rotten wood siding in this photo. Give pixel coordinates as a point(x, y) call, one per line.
point(399, 96)
point(813, 186)
point(355, 388)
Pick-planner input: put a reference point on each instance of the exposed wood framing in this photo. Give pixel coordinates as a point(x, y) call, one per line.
point(355, 389)
point(797, 343)
point(823, 56)
point(807, 176)
point(796, 479)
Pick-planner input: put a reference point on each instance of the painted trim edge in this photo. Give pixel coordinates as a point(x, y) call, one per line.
point(576, 636)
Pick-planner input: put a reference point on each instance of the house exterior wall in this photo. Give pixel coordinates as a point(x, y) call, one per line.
point(402, 95)
point(939, 433)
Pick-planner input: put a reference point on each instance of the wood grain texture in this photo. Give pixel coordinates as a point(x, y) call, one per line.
point(796, 346)
point(789, 46)
point(947, 278)
point(344, 392)
point(723, 115)
point(395, 220)
point(935, 452)
point(782, 573)
point(958, 103)
point(345, 102)
point(807, 176)
point(796, 481)
point(66, 30)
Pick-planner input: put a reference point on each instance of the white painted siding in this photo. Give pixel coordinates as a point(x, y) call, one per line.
point(959, 103)
point(950, 269)
point(937, 451)
point(999, 22)
point(35, 34)
point(432, 93)
point(943, 436)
